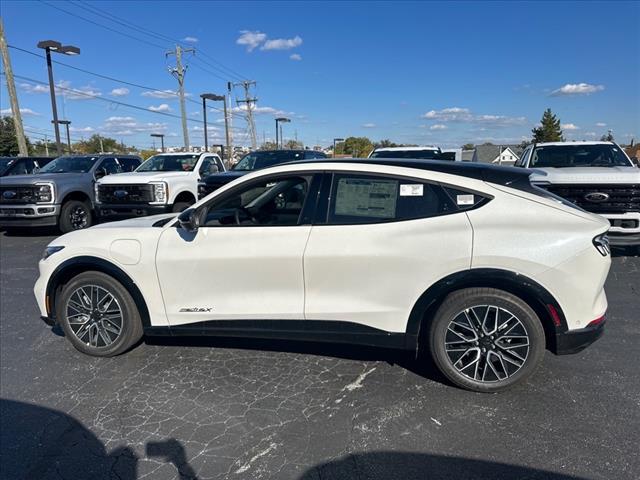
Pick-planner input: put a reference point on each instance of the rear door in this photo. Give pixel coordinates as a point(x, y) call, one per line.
point(381, 241)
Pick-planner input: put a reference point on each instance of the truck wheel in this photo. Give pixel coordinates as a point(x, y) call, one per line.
point(75, 215)
point(486, 340)
point(98, 315)
point(180, 206)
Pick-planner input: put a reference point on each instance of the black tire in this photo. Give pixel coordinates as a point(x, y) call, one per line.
point(499, 352)
point(180, 206)
point(95, 283)
point(75, 215)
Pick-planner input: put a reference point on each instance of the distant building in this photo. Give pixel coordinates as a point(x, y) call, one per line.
point(497, 154)
point(467, 155)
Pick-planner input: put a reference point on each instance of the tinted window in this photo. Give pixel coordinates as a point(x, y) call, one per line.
point(274, 202)
point(373, 199)
point(69, 165)
point(258, 160)
point(128, 164)
point(561, 156)
point(170, 163)
point(5, 163)
point(419, 154)
point(110, 166)
point(522, 161)
point(313, 154)
point(21, 166)
point(209, 166)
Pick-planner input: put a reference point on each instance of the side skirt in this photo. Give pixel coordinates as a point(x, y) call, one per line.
point(303, 330)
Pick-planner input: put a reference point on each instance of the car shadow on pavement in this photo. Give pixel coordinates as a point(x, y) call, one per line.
point(30, 232)
point(40, 443)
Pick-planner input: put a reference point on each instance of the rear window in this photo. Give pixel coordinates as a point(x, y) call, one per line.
point(419, 154)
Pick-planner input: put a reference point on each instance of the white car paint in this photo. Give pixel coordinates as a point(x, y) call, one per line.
point(367, 274)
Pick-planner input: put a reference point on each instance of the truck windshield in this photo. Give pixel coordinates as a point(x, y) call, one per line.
point(419, 154)
point(258, 160)
point(170, 163)
point(565, 156)
point(69, 165)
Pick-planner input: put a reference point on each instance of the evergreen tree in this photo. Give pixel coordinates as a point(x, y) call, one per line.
point(608, 137)
point(549, 129)
point(8, 140)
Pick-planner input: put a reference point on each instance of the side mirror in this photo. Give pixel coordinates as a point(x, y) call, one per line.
point(189, 220)
point(101, 172)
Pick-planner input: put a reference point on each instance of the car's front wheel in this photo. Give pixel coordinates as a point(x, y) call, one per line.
point(75, 215)
point(485, 339)
point(98, 315)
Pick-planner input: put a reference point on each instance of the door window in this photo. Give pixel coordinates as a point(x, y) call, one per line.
point(24, 166)
point(358, 199)
point(128, 164)
point(110, 166)
point(522, 161)
point(208, 167)
point(275, 201)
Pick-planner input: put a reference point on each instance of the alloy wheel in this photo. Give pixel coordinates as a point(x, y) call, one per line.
point(94, 316)
point(78, 217)
point(487, 343)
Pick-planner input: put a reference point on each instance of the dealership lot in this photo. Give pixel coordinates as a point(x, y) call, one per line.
point(221, 408)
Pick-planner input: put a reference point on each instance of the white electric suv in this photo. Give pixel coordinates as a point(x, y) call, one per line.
point(466, 261)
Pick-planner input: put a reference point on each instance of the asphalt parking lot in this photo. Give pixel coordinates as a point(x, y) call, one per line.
point(253, 409)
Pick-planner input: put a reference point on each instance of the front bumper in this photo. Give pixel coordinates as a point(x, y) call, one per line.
point(574, 341)
point(121, 211)
point(625, 228)
point(29, 215)
point(624, 239)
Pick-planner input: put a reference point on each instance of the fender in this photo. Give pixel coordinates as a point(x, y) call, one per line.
point(74, 266)
point(539, 299)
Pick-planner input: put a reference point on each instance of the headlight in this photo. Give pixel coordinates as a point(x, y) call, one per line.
point(160, 192)
point(44, 192)
point(50, 250)
point(601, 242)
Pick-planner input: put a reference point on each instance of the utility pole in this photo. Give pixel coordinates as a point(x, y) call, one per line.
point(246, 84)
point(46, 145)
point(178, 72)
point(13, 96)
point(228, 118)
point(101, 146)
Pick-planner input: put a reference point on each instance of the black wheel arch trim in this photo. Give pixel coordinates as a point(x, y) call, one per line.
point(77, 265)
point(534, 294)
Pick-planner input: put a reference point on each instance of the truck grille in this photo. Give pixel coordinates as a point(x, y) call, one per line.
point(123, 194)
point(601, 198)
point(18, 194)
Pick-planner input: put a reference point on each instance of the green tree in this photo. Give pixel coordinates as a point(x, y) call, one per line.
point(144, 154)
point(468, 146)
point(269, 146)
point(92, 145)
point(607, 137)
point(549, 129)
point(358, 146)
point(386, 143)
point(293, 145)
point(8, 139)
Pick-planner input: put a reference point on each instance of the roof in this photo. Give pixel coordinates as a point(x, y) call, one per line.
point(488, 153)
point(406, 149)
point(565, 144)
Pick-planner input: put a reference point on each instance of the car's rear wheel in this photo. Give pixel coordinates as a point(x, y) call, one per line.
point(98, 315)
point(486, 340)
point(75, 215)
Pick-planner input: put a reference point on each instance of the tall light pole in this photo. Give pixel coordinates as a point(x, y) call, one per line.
point(217, 98)
point(280, 120)
point(335, 140)
point(53, 46)
point(161, 137)
point(66, 123)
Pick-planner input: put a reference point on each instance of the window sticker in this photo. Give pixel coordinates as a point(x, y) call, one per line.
point(366, 197)
point(412, 190)
point(465, 199)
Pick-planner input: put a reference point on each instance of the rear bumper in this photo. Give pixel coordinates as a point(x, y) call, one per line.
point(574, 341)
point(121, 211)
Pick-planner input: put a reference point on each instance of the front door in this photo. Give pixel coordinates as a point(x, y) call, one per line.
point(245, 260)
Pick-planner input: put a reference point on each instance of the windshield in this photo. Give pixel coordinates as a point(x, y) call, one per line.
point(258, 160)
point(419, 154)
point(69, 165)
point(5, 163)
point(170, 163)
point(564, 156)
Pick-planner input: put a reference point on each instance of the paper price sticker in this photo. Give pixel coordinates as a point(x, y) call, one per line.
point(465, 199)
point(411, 190)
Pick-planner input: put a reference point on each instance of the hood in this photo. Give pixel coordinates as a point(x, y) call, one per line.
point(224, 177)
point(579, 175)
point(139, 222)
point(141, 177)
point(41, 177)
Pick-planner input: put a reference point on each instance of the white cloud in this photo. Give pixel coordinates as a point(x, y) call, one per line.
point(438, 126)
point(601, 124)
point(23, 111)
point(190, 39)
point(262, 110)
point(577, 89)
point(27, 87)
point(81, 129)
point(569, 126)
point(87, 92)
point(369, 125)
point(163, 107)
point(296, 57)
point(282, 43)
point(160, 94)
point(129, 126)
point(251, 39)
point(465, 115)
point(120, 92)
point(590, 134)
point(120, 119)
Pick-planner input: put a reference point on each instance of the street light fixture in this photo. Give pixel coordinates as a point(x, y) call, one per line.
point(216, 98)
point(336, 140)
point(53, 46)
point(280, 120)
point(66, 123)
point(161, 137)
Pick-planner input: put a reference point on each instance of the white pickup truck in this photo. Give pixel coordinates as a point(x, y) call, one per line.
point(596, 176)
point(167, 182)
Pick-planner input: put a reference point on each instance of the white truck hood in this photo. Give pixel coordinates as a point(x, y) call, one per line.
point(143, 177)
point(592, 175)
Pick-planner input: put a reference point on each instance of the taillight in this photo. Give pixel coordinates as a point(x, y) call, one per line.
point(554, 315)
point(597, 321)
point(601, 242)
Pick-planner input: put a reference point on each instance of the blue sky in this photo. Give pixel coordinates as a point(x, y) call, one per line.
point(423, 72)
